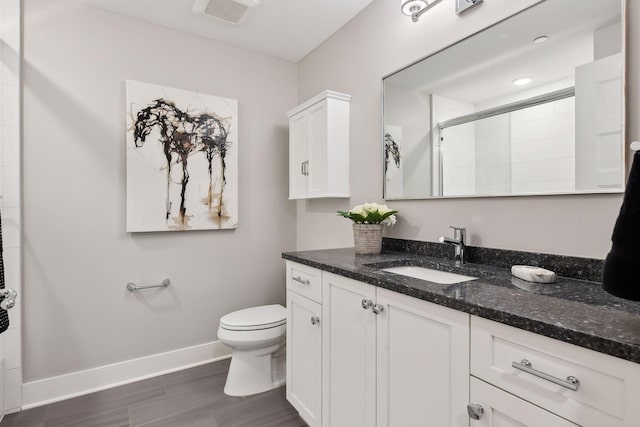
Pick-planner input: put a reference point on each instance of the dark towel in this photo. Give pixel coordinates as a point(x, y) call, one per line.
point(621, 275)
point(4, 317)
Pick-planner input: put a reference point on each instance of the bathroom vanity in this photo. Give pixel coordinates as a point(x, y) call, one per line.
point(367, 347)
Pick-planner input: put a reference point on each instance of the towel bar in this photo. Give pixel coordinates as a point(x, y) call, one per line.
point(131, 287)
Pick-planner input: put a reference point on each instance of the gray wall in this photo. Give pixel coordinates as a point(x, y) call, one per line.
point(411, 111)
point(381, 40)
point(77, 256)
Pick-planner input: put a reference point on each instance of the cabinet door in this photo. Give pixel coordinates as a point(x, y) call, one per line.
point(317, 167)
point(423, 363)
point(501, 409)
point(304, 357)
point(349, 353)
point(298, 155)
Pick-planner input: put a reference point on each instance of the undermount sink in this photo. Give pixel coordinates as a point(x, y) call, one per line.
point(436, 276)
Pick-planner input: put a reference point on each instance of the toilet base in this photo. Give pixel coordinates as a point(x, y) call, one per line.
point(256, 371)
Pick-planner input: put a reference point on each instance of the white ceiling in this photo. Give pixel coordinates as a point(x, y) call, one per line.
point(480, 69)
point(287, 29)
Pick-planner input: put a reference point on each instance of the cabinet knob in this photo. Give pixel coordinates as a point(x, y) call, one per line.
point(475, 411)
point(315, 320)
point(378, 308)
point(367, 304)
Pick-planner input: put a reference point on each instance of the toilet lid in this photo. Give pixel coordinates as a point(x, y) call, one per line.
point(262, 317)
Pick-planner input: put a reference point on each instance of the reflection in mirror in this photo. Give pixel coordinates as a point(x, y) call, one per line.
point(531, 105)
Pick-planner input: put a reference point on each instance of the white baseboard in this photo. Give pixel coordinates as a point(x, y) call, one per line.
point(54, 389)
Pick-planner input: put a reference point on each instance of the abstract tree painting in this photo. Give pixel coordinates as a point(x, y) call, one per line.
point(393, 162)
point(182, 159)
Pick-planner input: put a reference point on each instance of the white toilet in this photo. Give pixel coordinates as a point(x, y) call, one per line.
point(257, 336)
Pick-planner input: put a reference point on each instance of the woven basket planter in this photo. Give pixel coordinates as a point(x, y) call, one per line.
point(367, 238)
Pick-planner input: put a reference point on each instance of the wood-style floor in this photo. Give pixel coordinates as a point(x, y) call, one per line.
point(189, 398)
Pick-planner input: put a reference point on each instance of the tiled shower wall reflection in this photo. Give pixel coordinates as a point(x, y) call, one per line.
point(10, 190)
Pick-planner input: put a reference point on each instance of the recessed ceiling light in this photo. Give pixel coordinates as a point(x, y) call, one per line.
point(521, 81)
point(540, 39)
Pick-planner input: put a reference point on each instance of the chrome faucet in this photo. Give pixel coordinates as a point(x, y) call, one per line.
point(458, 240)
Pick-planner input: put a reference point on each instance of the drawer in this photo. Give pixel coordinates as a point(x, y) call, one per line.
point(608, 390)
point(304, 280)
point(500, 408)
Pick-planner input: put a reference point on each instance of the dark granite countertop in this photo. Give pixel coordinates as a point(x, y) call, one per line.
point(575, 311)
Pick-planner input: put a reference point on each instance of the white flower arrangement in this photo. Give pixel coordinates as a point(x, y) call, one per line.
point(371, 213)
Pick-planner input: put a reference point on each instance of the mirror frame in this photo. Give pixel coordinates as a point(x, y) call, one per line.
point(625, 146)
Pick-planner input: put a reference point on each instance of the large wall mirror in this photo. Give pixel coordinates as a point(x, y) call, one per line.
point(532, 105)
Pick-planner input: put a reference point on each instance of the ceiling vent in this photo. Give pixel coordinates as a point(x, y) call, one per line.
point(235, 12)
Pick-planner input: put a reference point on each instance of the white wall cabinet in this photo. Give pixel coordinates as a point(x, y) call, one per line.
point(319, 147)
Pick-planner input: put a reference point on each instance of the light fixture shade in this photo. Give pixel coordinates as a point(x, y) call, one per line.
point(522, 81)
point(409, 7)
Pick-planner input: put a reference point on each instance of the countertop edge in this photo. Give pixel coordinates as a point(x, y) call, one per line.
point(602, 345)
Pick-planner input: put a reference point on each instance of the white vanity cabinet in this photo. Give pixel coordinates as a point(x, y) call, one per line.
point(319, 147)
point(364, 356)
point(588, 388)
point(349, 352)
point(422, 363)
point(304, 342)
point(390, 359)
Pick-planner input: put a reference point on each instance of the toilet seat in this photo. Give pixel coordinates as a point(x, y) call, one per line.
point(255, 318)
point(257, 336)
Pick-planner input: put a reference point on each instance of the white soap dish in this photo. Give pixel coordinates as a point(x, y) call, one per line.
point(533, 274)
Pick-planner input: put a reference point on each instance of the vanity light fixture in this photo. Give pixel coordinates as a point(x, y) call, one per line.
point(415, 8)
point(540, 39)
point(522, 81)
point(464, 5)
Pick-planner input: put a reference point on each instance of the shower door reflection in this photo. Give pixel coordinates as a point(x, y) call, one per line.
point(528, 150)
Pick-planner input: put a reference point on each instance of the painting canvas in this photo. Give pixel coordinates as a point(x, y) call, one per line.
point(393, 161)
point(182, 159)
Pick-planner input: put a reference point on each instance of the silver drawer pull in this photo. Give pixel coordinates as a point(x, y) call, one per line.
point(301, 280)
point(571, 382)
point(315, 320)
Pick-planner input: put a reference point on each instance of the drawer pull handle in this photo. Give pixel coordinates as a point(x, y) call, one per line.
point(366, 304)
point(301, 280)
point(571, 382)
point(315, 320)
